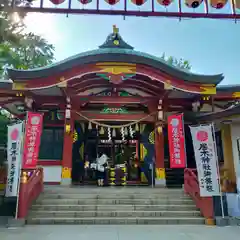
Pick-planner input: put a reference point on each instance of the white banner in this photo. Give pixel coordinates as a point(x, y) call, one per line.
point(206, 160)
point(14, 157)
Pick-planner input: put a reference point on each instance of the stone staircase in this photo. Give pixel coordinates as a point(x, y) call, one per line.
point(128, 205)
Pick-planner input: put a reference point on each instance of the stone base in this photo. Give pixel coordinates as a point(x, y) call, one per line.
point(66, 181)
point(160, 182)
point(221, 222)
point(209, 222)
point(3, 221)
point(234, 221)
point(15, 223)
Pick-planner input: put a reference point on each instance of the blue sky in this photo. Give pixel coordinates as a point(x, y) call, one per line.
point(211, 46)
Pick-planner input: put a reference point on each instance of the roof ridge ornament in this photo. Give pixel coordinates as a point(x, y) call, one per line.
point(114, 40)
point(115, 29)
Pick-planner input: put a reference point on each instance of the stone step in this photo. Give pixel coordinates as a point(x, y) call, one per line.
point(117, 221)
point(110, 214)
point(114, 207)
point(112, 190)
point(111, 196)
point(165, 201)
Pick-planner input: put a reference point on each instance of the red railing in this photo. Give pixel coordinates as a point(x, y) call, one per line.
point(191, 187)
point(30, 188)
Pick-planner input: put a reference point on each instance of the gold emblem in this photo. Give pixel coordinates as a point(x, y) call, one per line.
point(151, 137)
point(116, 42)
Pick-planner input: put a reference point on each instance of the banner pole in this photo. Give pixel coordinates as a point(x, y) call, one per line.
point(218, 170)
point(20, 170)
point(185, 152)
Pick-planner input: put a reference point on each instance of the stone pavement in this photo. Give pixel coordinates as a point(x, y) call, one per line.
point(127, 232)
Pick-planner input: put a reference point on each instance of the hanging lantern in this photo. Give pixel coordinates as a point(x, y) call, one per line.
point(193, 3)
point(165, 2)
point(67, 128)
point(101, 131)
point(218, 4)
point(114, 132)
point(138, 2)
point(89, 126)
point(85, 2)
point(57, 2)
point(112, 2)
point(136, 127)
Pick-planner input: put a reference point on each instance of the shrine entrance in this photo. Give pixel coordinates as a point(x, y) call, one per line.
point(121, 149)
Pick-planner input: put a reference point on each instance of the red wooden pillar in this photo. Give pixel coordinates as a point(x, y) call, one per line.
point(160, 178)
point(67, 151)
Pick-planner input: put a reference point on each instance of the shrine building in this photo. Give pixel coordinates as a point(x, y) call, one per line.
point(116, 100)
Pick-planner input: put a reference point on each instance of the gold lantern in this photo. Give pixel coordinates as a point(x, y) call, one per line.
point(67, 128)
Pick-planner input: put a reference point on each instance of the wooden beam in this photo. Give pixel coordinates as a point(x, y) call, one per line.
point(83, 83)
point(80, 100)
point(147, 90)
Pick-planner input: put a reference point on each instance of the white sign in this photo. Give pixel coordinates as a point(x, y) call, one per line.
point(14, 158)
point(206, 160)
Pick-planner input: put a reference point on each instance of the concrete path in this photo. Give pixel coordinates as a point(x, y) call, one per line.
point(120, 233)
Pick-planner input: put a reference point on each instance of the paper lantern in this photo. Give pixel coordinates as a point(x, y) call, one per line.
point(57, 2)
point(193, 3)
point(112, 2)
point(84, 2)
point(165, 2)
point(138, 2)
point(218, 4)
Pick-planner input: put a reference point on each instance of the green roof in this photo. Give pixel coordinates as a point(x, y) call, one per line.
point(115, 49)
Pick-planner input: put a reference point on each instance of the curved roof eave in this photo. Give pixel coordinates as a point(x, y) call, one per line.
point(228, 88)
point(117, 55)
point(218, 115)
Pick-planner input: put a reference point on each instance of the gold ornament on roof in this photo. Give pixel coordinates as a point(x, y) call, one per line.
point(116, 42)
point(168, 85)
point(115, 29)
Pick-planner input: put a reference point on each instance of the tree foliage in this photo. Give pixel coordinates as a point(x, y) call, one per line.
point(179, 63)
point(32, 51)
point(19, 49)
point(4, 120)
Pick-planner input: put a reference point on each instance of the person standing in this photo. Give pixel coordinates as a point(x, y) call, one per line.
point(101, 169)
